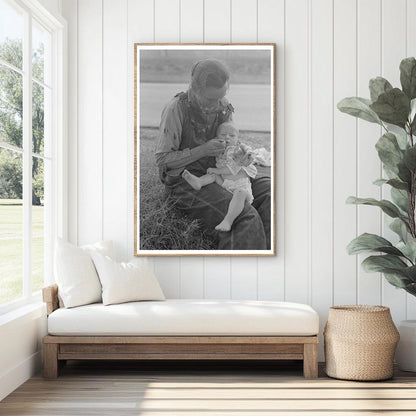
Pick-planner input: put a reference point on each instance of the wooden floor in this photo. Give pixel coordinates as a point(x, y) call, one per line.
point(221, 389)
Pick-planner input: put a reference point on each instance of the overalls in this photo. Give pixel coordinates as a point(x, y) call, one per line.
point(209, 205)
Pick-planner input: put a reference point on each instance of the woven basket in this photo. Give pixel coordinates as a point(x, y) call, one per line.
point(360, 341)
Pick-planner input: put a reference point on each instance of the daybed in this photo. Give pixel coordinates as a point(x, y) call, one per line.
point(181, 329)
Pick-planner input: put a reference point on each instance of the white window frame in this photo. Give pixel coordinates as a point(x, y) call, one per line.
point(58, 211)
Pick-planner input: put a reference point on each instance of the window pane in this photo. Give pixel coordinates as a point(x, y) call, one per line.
point(11, 34)
point(38, 230)
point(38, 118)
point(11, 226)
point(11, 107)
point(41, 46)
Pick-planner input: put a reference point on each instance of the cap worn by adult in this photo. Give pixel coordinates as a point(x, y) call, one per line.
point(209, 76)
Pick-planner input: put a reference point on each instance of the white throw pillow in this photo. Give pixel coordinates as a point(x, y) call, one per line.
point(126, 282)
point(75, 273)
point(103, 247)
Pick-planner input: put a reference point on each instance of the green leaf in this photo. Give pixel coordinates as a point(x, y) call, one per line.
point(389, 151)
point(398, 184)
point(396, 271)
point(400, 198)
point(390, 173)
point(389, 208)
point(412, 116)
point(392, 107)
point(410, 158)
point(408, 249)
point(397, 280)
point(395, 183)
point(412, 109)
point(402, 139)
point(404, 173)
point(400, 228)
point(378, 86)
point(381, 263)
point(408, 77)
point(411, 273)
point(411, 289)
point(366, 243)
point(380, 182)
point(359, 107)
point(406, 274)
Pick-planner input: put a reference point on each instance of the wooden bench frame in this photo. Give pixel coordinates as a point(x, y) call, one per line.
point(58, 349)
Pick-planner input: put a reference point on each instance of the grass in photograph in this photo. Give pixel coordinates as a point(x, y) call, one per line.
point(162, 226)
point(11, 249)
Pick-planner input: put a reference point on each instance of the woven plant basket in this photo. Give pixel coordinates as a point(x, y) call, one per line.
point(360, 341)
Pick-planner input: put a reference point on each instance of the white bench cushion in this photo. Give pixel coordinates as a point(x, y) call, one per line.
point(187, 317)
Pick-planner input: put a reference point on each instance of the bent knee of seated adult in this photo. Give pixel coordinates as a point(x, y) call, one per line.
point(249, 213)
point(248, 231)
point(249, 209)
point(242, 194)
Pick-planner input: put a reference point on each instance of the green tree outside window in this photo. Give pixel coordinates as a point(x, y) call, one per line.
point(11, 116)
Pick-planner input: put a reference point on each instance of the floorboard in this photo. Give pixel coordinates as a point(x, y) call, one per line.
point(206, 388)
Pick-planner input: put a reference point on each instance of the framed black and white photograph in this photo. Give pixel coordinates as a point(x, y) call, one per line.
point(204, 120)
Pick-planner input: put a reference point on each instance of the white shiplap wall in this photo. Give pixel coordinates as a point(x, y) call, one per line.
point(326, 50)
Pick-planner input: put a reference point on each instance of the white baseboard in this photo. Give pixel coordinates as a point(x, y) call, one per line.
point(10, 380)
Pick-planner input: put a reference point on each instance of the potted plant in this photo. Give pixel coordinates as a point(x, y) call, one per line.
point(394, 109)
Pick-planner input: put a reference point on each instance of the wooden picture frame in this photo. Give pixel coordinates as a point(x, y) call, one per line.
point(163, 226)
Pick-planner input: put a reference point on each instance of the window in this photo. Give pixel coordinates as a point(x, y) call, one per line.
point(31, 142)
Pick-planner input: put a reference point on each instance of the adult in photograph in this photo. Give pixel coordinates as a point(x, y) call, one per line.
point(187, 140)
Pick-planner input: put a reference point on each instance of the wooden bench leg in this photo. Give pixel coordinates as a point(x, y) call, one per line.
point(50, 360)
point(310, 360)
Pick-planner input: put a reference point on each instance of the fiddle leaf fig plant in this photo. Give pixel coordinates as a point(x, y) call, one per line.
point(394, 109)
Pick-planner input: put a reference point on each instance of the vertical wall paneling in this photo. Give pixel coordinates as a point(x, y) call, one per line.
point(217, 29)
point(140, 24)
point(70, 11)
point(192, 278)
point(217, 273)
point(167, 21)
point(271, 29)
point(345, 151)
point(244, 29)
point(411, 28)
point(411, 51)
point(321, 149)
point(168, 274)
point(140, 21)
point(167, 30)
point(244, 21)
point(115, 52)
point(192, 31)
point(217, 25)
point(394, 38)
point(191, 21)
point(369, 167)
point(296, 152)
point(244, 278)
point(90, 128)
point(393, 51)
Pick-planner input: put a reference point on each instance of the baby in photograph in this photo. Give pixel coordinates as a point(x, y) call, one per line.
point(233, 171)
